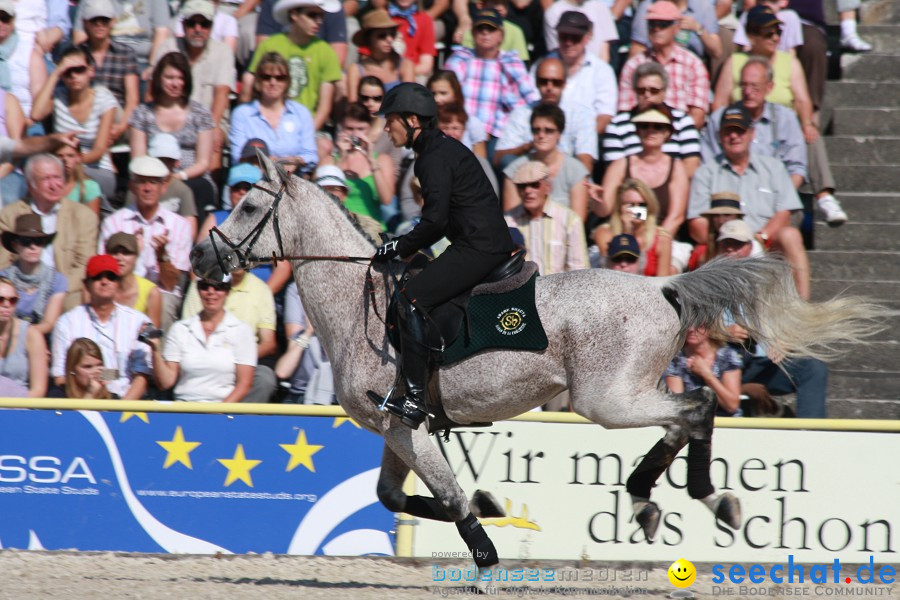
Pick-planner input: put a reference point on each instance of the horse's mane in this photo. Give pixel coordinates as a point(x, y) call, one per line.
point(349, 215)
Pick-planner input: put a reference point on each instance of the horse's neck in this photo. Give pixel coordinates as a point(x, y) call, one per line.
point(332, 292)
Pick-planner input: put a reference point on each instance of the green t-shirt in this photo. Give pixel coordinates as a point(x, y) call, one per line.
point(362, 199)
point(309, 66)
point(513, 39)
point(91, 191)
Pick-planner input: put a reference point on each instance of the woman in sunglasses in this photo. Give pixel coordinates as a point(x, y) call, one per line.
point(209, 357)
point(41, 289)
point(377, 54)
point(284, 125)
point(664, 174)
point(83, 107)
point(23, 350)
point(634, 213)
point(567, 173)
point(764, 31)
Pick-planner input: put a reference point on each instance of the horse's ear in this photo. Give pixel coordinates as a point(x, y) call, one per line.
point(269, 168)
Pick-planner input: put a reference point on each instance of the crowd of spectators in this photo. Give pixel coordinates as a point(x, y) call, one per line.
point(644, 136)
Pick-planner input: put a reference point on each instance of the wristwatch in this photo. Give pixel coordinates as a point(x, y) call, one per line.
point(701, 31)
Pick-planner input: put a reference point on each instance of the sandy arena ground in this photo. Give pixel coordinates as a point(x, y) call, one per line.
point(109, 576)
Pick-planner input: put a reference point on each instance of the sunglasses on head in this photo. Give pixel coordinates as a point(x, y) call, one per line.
point(6, 17)
point(364, 98)
point(273, 77)
point(653, 126)
point(544, 130)
point(656, 24)
point(31, 241)
point(542, 81)
point(79, 70)
point(219, 286)
point(643, 90)
point(11, 300)
point(103, 21)
point(108, 275)
point(197, 22)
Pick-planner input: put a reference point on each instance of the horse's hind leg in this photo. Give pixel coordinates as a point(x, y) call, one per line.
point(416, 451)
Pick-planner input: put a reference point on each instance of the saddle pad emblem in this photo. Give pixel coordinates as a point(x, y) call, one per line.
point(511, 321)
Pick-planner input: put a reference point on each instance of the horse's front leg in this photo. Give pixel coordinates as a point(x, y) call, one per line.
point(413, 448)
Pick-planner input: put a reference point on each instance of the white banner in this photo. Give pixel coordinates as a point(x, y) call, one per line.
point(812, 495)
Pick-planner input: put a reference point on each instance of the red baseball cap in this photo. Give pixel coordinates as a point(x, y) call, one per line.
point(102, 263)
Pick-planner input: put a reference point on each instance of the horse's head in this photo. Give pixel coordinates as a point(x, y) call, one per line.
point(251, 233)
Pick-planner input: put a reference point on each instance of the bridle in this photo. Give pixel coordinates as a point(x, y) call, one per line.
point(244, 255)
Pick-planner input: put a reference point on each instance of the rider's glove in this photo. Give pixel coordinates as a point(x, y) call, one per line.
point(386, 252)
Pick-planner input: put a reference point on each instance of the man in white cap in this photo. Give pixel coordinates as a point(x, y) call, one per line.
point(314, 66)
point(142, 26)
point(164, 237)
point(176, 196)
point(212, 66)
point(554, 234)
point(115, 64)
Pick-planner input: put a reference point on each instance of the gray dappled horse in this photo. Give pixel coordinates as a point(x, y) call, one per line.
point(611, 337)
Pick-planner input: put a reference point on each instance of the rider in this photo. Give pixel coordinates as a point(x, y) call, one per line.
point(459, 204)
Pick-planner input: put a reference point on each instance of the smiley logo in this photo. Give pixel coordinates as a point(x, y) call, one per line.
point(682, 573)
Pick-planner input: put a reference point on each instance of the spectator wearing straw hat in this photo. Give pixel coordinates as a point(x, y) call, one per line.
point(723, 207)
point(554, 234)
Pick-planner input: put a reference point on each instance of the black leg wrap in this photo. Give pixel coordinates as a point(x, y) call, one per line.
point(477, 541)
point(426, 508)
point(699, 457)
point(641, 481)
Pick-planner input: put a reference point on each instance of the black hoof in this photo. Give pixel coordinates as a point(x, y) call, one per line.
point(728, 510)
point(648, 519)
point(484, 506)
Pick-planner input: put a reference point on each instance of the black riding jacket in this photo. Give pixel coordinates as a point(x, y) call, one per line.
point(459, 200)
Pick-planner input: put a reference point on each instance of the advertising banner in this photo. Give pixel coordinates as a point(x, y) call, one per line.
point(812, 495)
point(190, 483)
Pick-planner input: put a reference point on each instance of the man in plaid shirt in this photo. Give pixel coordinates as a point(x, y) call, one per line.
point(493, 82)
point(688, 79)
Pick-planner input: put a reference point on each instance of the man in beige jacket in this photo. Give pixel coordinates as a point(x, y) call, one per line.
point(76, 225)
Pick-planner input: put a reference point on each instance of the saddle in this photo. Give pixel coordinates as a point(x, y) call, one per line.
point(499, 313)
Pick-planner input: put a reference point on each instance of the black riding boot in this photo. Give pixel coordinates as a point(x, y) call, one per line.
point(414, 368)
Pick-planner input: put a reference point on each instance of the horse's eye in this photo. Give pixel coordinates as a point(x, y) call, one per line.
point(248, 208)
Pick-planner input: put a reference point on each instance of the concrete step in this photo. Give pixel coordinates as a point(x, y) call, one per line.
point(849, 408)
point(860, 236)
point(863, 94)
point(866, 121)
point(867, 178)
point(871, 67)
point(866, 385)
point(871, 207)
point(886, 293)
point(882, 356)
point(863, 149)
point(885, 38)
point(852, 266)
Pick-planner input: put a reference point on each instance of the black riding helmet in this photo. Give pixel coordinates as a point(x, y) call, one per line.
point(410, 98)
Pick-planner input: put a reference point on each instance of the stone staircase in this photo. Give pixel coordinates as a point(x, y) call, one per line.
point(863, 256)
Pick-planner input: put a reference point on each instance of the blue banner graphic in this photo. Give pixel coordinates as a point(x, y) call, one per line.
point(190, 483)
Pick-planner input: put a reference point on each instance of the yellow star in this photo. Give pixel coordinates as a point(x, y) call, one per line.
point(178, 450)
point(338, 421)
point(140, 415)
point(239, 467)
point(301, 453)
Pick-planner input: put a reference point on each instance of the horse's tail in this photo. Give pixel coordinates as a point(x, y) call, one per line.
point(761, 296)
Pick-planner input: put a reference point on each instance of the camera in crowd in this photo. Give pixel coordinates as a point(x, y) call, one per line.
point(149, 333)
point(639, 212)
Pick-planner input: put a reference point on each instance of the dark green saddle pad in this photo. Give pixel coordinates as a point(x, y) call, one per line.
point(507, 320)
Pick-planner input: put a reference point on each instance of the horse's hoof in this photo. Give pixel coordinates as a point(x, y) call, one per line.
point(648, 519)
point(728, 510)
point(484, 506)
